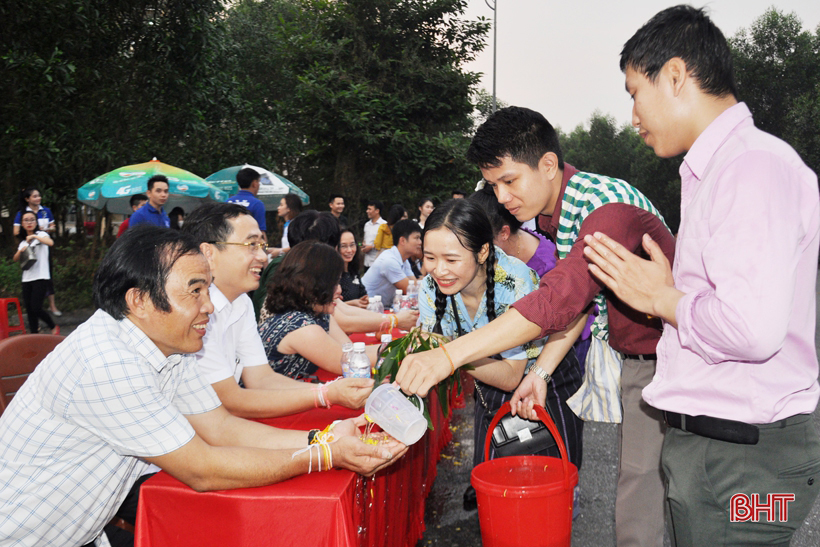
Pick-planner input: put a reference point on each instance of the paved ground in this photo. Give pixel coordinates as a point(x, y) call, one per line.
point(448, 524)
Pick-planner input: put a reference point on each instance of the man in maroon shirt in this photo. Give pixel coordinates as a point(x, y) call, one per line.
point(519, 156)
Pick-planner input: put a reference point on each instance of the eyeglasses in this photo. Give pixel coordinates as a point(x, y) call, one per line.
point(252, 246)
point(347, 246)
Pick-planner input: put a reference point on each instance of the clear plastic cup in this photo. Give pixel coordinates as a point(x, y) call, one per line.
point(395, 414)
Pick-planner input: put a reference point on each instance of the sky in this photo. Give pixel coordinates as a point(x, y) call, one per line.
point(561, 58)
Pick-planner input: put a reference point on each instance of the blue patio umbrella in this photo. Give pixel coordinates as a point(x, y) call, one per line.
point(272, 187)
point(113, 190)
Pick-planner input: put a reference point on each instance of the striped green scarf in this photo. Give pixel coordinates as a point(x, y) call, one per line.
point(585, 193)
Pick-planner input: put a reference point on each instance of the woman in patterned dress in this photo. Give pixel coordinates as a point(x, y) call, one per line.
point(470, 283)
point(301, 334)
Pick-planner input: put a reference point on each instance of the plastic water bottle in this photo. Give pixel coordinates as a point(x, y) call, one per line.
point(376, 300)
point(347, 352)
point(359, 362)
point(413, 293)
point(386, 339)
point(397, 301)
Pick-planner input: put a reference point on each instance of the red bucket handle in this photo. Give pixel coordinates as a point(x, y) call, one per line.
point(544, 417)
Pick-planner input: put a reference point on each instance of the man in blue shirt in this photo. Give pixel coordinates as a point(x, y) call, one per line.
point(152, 212)
point(391, 269)
point(248, 181)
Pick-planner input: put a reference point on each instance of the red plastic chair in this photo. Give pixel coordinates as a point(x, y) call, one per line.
point(7, 326)
point(19, 356)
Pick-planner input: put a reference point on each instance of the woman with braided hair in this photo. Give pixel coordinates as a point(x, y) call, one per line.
point(470, 283)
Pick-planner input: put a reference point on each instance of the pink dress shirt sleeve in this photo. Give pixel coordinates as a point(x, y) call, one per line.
point(745, 312)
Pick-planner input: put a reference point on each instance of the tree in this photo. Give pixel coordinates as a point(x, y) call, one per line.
point(777, 65)
point(622, 153)
point(371, 93)
point(90, 85)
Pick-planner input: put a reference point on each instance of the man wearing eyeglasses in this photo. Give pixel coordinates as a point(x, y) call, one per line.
point(232, 350)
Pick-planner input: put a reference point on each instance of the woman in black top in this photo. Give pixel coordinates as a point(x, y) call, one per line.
point(353, 291)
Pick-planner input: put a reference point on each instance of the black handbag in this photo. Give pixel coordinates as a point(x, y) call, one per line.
point(512, 446)
point(514, 435)
point(28, 258)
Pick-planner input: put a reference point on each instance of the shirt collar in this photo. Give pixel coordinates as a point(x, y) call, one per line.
point(708, 142)
point(146, 347)
point(218, 299)
point(150, 208)
point(547, 223)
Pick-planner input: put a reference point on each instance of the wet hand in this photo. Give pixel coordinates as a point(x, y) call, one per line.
point(351, 427)
point(366, 459)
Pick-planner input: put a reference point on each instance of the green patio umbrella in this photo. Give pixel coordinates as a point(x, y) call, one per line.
point(272, 187)
point(113, 190)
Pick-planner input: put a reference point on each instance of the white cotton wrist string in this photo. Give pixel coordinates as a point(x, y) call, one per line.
point(322, 442)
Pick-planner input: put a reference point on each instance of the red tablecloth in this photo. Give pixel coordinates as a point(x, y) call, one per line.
point(371, 338)
point(336, 508)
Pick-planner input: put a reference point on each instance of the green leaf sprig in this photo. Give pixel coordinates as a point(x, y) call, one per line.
point(417, 341)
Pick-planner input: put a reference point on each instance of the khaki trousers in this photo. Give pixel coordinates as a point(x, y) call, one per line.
point(641, 496)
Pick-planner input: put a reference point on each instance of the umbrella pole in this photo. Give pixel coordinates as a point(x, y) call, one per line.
point(97, 230)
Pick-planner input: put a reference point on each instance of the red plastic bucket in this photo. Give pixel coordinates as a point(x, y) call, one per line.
point(525, 501)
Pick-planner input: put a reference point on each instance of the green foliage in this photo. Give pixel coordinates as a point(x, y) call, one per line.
point(74, 269)
point(90, 85)
point(363, 96)
point(803, 122)
point(777, 65)
point(10, 278)
point(73, 272)
point(414, 342)
point(371, 96)
point(621, 153)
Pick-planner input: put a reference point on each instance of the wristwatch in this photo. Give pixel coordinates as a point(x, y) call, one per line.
point(541, 373)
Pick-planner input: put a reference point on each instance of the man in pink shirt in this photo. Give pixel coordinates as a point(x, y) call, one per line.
point(737, 370)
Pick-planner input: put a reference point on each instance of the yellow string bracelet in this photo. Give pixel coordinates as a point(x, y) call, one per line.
point(447, 353)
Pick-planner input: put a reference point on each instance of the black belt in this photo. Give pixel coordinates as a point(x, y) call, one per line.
point(714, 428)
point(644, 357)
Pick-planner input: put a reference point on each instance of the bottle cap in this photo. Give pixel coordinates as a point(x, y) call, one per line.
point(376, 298)
point(386, 338)
point(398, 292)
point(358, 346)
